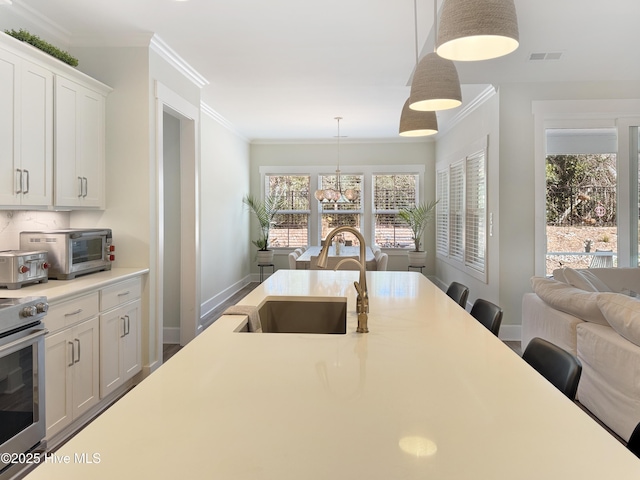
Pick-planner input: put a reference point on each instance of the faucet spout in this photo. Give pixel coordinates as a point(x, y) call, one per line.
point(362, 306)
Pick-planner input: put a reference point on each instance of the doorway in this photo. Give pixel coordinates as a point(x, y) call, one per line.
point(178, 257)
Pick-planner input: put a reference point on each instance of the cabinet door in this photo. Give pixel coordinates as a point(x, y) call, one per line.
point(36, 132)
point(9, 65)
point(131, 351)
point(68, 188)
point(92, 148)
point(86, 368)
point(59, 381)
point(80, 144)
point(112, 329)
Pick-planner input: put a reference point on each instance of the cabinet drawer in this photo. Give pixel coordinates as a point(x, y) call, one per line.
point(72, 311)
point(120, 293)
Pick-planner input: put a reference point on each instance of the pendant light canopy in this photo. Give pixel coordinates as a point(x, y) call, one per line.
point(477, 29)
point(417, 124)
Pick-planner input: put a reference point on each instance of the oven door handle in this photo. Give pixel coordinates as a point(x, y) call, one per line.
point(35, 334)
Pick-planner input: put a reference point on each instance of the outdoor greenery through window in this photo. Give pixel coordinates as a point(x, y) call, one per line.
point(291, 226)
point(392, 193)
point(338, 214)
point(581, 210)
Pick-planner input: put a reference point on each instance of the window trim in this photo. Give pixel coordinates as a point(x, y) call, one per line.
point(367, 171)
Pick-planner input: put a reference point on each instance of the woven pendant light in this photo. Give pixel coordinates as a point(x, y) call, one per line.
point(412, 122)
point(435, 84)
point(477, 29)
point(417, 124)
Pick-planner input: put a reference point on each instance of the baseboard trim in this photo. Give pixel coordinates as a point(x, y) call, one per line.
point(171, 335)
point(207, 307)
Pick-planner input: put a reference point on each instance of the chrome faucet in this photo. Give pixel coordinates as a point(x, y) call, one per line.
point(362, 305)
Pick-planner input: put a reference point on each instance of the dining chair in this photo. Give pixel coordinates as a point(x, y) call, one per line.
point(381, 262)
point(292, 260)
point(558, 366)
point(488, 314)
point(299, 251)
point(634, 441)
point(459, 293)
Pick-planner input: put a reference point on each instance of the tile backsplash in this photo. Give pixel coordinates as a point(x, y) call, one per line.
point(14, 222)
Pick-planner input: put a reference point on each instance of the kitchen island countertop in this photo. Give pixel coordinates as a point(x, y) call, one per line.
point(427, 393)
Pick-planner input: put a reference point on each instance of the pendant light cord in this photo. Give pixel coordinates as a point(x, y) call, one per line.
point(415, 27)
point(435, 24)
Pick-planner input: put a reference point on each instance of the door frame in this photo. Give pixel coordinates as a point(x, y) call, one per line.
point(189, 115)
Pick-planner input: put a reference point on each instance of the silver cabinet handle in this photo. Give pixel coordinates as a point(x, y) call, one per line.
point(122, 294)
point(75, 312)
point(78, 342)
point(124, 327)
point(73, 355)
point(26, 190)
point(80, 194)
point(19, 171)
point(128, 324)
point(86, 186)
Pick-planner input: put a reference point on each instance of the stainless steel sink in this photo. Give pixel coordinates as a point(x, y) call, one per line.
point(304, 316)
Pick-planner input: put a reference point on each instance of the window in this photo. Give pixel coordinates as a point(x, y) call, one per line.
point(342, 213)
point(461, 212)
point(291, 225)
point(392, 193)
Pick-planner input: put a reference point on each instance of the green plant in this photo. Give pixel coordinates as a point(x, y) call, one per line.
point(265, 212)
point(40, 44)
point(418, 218)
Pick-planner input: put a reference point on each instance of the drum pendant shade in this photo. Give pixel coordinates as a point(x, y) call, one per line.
point(477, 29)
point(435, 85)
point(417, 124)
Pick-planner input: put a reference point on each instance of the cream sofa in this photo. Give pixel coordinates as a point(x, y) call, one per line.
point(594, 314)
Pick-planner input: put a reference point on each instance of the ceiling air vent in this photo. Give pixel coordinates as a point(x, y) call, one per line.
point(545, 56)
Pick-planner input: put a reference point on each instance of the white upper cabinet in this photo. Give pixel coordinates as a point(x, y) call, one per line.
point(79, 145)
point(52, 131)
point(26, 132)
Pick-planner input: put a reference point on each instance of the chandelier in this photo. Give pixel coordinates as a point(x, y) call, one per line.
point(336, 195)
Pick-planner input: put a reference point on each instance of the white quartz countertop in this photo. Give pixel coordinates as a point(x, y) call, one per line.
point(56, 290)
point(427, 393)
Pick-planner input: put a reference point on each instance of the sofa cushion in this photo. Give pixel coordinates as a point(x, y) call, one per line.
point(584, 280)
point(622, 313)
point(568, 299)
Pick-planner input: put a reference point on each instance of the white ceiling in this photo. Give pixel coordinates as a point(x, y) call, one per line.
point(283, 69)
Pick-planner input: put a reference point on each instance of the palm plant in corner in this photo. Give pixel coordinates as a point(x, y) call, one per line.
point(418, 218)
point(265, 212)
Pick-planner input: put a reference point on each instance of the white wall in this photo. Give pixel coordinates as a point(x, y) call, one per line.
point(352, 153)
point(481, 123)
point(224, 223)
point(517, 210)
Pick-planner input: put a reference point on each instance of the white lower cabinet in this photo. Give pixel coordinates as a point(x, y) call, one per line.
point(72, 366)
point(120, 347)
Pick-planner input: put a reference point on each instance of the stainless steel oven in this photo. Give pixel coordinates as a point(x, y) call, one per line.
point(22, 376)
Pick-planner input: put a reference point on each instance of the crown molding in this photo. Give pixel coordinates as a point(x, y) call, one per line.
point(468, 108)
point(53, 30)
point(167, 53)
point(210, 112)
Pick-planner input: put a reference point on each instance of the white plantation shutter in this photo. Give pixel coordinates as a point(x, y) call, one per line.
point(456, 211)
point(442, 212)
point(461, 215)
point(475, 212)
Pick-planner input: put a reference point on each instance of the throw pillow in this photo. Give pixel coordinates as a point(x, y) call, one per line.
point(623, 314)
point(568, 299)
point(585, 280)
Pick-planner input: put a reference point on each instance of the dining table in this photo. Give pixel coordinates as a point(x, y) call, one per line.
point(303, 262)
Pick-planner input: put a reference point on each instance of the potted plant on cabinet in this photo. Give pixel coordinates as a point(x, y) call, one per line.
point(265, 212)
point(418, 218)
